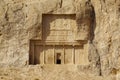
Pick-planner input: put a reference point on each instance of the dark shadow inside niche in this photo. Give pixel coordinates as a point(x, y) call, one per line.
point(58, 58)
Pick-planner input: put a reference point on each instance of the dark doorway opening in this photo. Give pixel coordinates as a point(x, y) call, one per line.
point(58, 58)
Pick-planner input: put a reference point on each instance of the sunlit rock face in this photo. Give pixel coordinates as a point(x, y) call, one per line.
point(95, 22)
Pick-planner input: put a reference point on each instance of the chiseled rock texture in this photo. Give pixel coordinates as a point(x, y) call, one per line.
point(48, 72)
point(20, 21)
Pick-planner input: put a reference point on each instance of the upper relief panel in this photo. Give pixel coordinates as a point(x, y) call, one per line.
point(58, 27)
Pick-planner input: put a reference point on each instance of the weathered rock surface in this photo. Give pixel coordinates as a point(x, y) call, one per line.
point(106, 34)
point(48, 72)
point(21, 20)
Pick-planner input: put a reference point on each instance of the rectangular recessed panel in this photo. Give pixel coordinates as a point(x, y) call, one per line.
point(39, 55)
point(58, 27)
point(57, 54)
point(68, 54)
point(49, 55)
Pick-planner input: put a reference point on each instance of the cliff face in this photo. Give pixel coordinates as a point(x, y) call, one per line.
point(106, 35)
point(21, 20)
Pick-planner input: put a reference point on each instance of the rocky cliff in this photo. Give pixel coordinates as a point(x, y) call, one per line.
point(21, 20)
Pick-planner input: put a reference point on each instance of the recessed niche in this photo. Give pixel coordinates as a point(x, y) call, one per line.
point(57, 45)
point(58, 27)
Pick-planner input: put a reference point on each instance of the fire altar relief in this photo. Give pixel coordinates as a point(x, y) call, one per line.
point(58, 44)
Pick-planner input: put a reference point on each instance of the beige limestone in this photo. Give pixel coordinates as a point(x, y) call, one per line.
point(21, 21)
point(48, 72)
